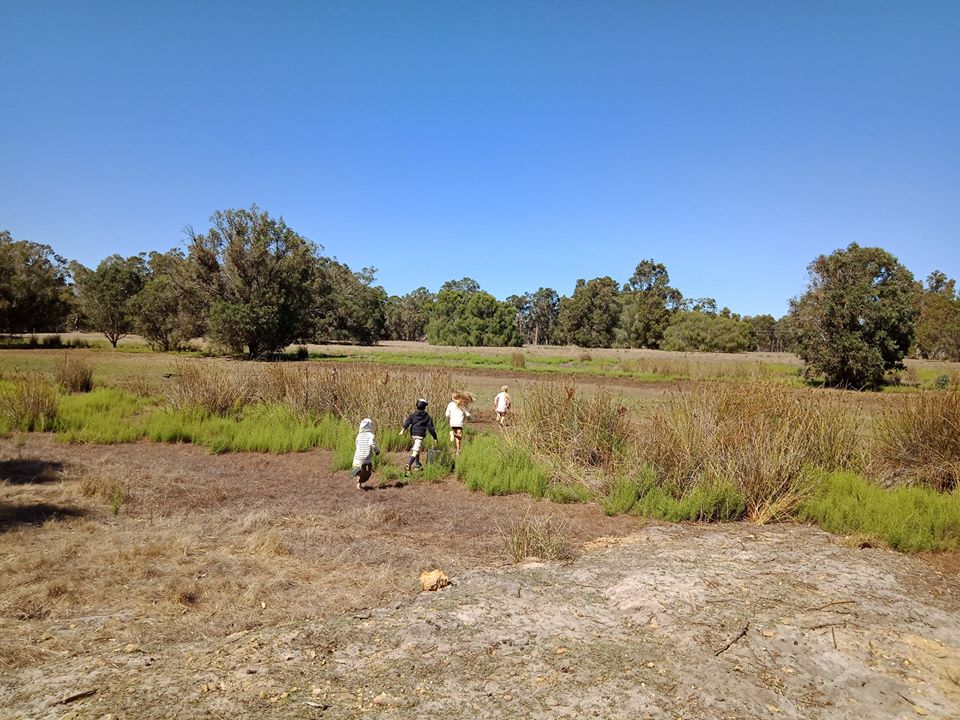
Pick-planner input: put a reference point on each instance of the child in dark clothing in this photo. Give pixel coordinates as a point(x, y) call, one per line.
point(420, 424)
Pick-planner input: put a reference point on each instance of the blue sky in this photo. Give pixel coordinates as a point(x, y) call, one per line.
point(523, 144)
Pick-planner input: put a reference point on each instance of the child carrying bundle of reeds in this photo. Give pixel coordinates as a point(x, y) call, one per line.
point(457, 413)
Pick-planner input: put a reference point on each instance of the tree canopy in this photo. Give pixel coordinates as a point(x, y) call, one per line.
point(857, 318)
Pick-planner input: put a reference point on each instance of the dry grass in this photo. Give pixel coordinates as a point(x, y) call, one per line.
point(350, 391)
point(917, 441)
point(74, 373)
point(218, 388)
point(205, 546)
point(30, 405)
point(576, 434)
point(541, 537)
point(762, 438)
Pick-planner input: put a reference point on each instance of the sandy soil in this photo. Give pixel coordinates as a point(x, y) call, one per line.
point(650, 621)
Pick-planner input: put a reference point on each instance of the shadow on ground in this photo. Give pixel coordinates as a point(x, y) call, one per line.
point(23, 472)
point(12, 516)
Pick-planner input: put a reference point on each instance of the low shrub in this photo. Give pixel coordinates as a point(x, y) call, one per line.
point(518, 361)
point(704, 502)
point(30, 404)
point(498, 467)
point(917, 441)
point(567, 493)
point(543, 536)
point(911, 519)
point(105, 416)
point(74, 373)
point(622, 496)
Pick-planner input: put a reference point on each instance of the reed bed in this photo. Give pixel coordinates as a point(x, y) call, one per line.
point(917, 441)
point(762, 438)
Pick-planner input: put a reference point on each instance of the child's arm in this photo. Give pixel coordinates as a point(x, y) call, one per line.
point(432, 430)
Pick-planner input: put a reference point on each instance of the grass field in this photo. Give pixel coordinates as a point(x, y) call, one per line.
point(667, 435)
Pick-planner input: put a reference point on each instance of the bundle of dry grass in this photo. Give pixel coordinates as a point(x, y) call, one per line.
point(215, 387)
point(350, 391)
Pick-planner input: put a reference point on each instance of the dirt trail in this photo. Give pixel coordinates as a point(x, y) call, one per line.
point(669, 621)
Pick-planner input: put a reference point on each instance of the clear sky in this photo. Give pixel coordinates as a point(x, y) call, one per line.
point(523, 144)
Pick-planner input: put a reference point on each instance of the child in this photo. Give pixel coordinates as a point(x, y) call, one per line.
point(363, 456)
point(457, 413)
point(501, 405)
point(420, 424)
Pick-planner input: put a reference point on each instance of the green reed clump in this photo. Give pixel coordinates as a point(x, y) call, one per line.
point(104, 415)
point(917, 441)
point(498, 467)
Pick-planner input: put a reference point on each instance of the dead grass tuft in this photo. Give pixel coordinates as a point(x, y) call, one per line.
point(267, 542)
point(74, 373)
point(544, 537)
point(31, 404)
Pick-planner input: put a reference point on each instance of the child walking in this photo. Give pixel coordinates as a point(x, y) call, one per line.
point(457, 413)
point(420, 424)
point(363, 455)
point(501, 405)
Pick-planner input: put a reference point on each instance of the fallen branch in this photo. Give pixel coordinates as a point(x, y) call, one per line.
point(727, 646)
point(831, 604)
point(76, 696)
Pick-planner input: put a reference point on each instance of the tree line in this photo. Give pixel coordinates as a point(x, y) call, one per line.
point(253, 286)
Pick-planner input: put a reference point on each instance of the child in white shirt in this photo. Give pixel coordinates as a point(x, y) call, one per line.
point(457, 413)
point(501, 405)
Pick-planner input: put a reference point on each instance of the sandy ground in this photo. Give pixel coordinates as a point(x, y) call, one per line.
point(650, 621)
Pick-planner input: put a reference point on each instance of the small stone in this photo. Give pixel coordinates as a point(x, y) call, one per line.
point(131, 647)
point(433, 580)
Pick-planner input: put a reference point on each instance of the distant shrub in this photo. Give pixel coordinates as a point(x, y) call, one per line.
point(584, 357)
point(54, 342)
point(942, 382)
point(303, 353)
point(74, 373)
point(518, 360)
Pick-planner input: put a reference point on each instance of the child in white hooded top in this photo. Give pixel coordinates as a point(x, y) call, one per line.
point(365, 450)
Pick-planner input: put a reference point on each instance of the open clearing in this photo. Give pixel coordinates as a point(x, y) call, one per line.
point(266, 586)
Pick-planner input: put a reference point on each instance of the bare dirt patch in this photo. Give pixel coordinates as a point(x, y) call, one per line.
point(266, 586)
